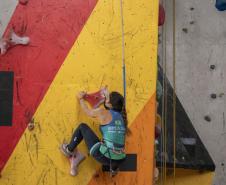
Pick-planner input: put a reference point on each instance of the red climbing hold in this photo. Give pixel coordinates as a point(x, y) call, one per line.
point(23, 2)
point(158, 126)
point(95, 99)
point(157, 131)
point(161, 15)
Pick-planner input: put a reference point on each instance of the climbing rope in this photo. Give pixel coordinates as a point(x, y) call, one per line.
point(164, 108)
point(164, 98)
point(174, 91)
point(113, 172)
point(165, 105)
point(123, 52)
point(165, 101)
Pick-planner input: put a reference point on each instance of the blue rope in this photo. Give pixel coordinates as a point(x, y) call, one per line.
point(124, 82)
point(123, 53)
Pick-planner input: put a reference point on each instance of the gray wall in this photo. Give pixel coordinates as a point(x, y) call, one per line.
point(6, 9)
point(203, 44)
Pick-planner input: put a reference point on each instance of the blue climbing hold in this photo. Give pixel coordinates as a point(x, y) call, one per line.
point(221, 5)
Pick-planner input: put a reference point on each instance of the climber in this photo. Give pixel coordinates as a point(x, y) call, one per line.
point(12, 39)
point(113, 126)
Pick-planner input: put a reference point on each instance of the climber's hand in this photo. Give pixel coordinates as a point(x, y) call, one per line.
point(81, 95)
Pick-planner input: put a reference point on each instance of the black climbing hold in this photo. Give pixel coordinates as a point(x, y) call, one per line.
point(129, 164)
point(207, 118)
point(192, 22)
point(212, 67)
point(31, 125)
point(192, 8)
point(213, 96)
point(222, 164)
point(185, 30)
point(6, 98)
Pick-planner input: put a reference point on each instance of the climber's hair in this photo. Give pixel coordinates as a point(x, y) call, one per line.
point(118, 104)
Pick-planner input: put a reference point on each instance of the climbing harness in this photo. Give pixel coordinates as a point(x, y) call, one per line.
point(113, 172)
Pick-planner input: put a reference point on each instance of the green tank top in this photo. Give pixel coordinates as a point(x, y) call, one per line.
point(113, 137)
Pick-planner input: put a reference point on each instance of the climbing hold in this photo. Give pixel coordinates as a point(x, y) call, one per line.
point(31, 124)
point(207, 118)
point(220, 5)
point(159, 91)
point(157, 131)
point(12, 40)
point(128, 165)
point(192, 22)
point(221, 95)
point(185, 30)
point(95, 99)
point(23, 2)
point(158, 126)
point(213, 96)
point(161, 15)
point(96, 174)
point(156, 174)
point(192, 8)
point(222, 164)
point(212, 67)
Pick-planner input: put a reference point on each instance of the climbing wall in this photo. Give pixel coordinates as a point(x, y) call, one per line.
point(77, 45)
point(200, 43)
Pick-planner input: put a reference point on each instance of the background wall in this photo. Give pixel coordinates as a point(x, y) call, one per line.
point(200, 42)
point(6, 10)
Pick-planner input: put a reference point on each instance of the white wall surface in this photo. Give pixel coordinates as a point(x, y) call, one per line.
point(7, 8)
